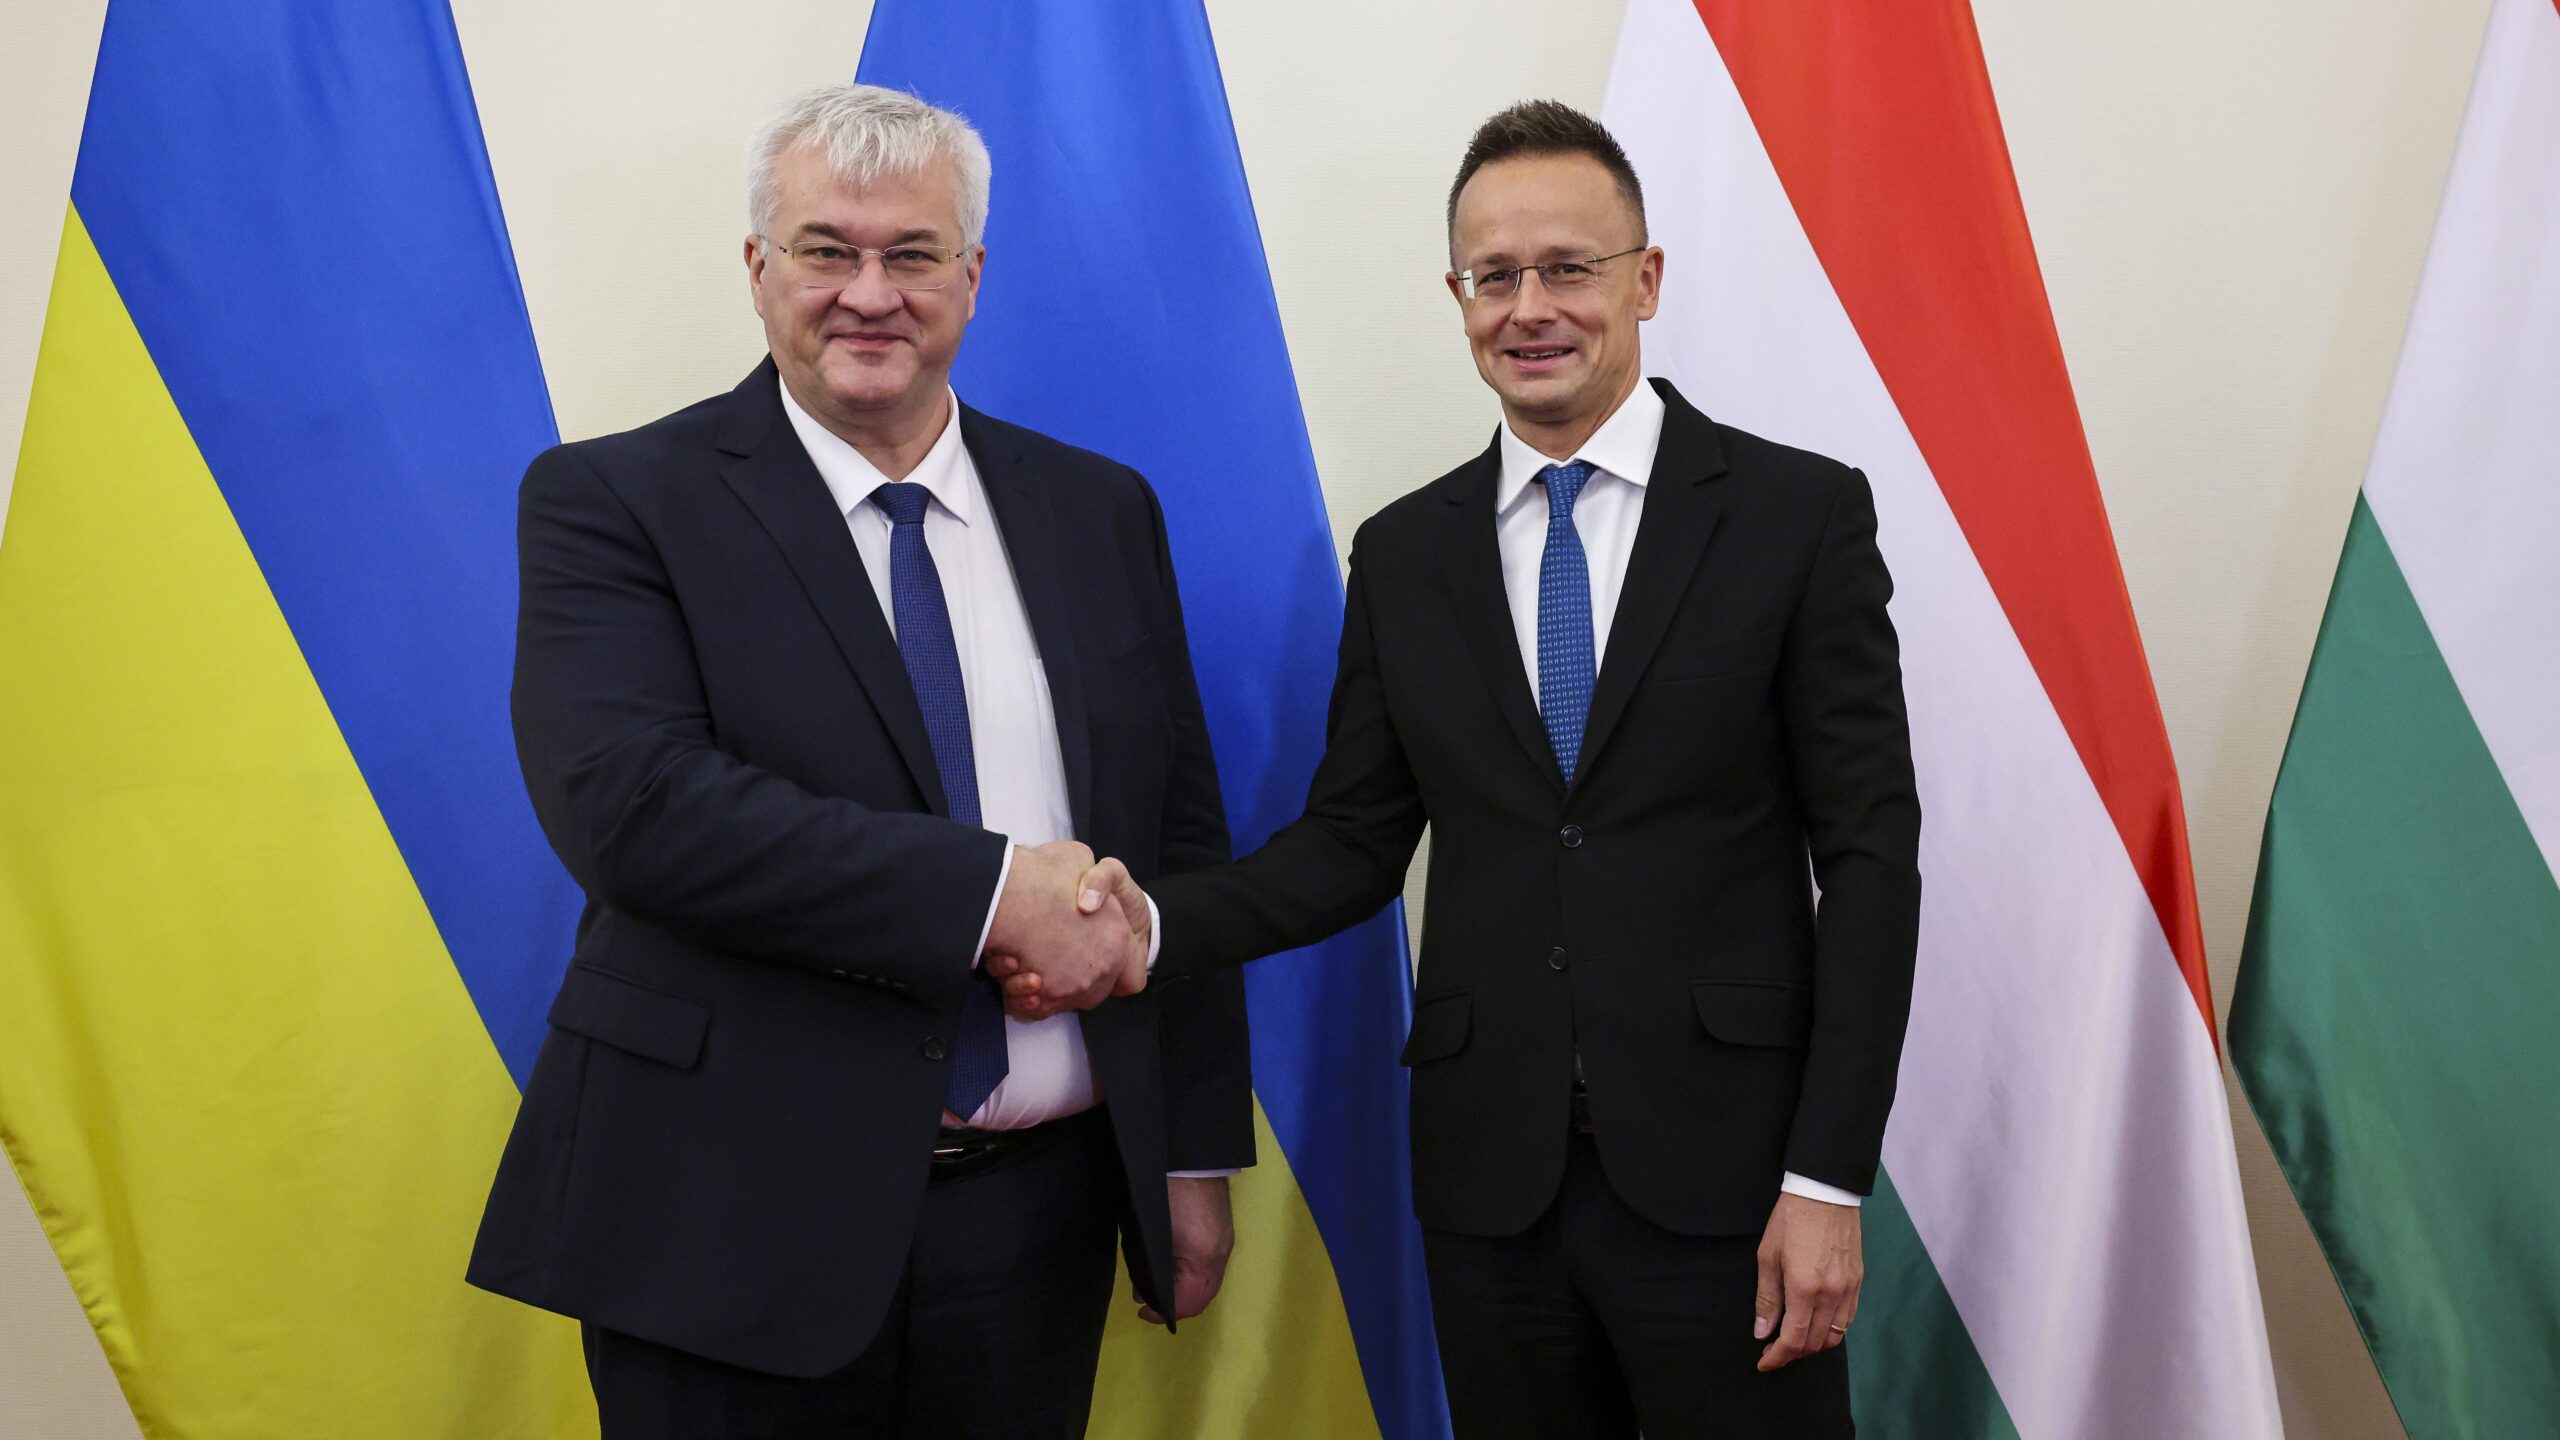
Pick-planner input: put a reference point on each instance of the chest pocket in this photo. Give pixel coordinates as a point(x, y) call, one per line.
point(1126, 693)
point(1130, 659)
point(1742, 655)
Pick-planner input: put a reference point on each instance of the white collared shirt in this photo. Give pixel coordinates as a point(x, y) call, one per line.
point(1013, 728)
point(1606, 516)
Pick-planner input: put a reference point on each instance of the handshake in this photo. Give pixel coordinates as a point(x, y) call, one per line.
point(1069, 933)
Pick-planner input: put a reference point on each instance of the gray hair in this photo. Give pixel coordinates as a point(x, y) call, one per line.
point(866, 132)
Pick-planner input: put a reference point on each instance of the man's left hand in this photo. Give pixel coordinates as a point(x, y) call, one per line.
point(1204, 1234)
point(1810, 1271)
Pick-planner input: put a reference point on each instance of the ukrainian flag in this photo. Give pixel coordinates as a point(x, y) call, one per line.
point(277, 929)
point(276, 925)
point(1127, 307)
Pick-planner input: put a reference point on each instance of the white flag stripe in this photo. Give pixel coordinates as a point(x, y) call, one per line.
point(2465, 480)
point(2061, 1140)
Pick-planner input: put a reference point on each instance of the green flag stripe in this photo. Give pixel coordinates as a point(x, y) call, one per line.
point(2394, 1014)
point(1914, 1373)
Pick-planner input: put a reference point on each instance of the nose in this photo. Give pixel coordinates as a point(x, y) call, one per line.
point(869, 292)
point(1532, 302)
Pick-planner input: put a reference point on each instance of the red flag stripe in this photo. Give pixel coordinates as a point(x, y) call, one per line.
point(1881, 124)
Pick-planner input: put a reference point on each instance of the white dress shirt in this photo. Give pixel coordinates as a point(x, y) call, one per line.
point(1605, 515)
point(1013, 730)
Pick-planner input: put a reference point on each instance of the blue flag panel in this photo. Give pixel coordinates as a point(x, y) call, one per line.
point(1127, 307)
point(278, 188)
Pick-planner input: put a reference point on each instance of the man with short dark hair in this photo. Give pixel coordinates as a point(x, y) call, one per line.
point(822, 688)
point(1634, 669)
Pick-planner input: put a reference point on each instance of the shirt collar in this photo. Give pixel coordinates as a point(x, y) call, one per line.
point(1623, 446)
point(851, 478)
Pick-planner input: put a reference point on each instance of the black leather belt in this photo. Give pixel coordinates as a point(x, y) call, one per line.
point(958, 1150)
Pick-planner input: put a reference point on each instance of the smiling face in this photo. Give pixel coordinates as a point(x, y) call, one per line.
point(1561, 360)
point(864, 356)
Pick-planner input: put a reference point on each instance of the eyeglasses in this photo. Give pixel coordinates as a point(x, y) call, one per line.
point(1571, 273)
point(833, 264)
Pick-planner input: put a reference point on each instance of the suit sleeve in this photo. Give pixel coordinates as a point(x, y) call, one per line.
point(1335, 865)
point(1849, 746)
point(653, 818)
point(1206, 1042)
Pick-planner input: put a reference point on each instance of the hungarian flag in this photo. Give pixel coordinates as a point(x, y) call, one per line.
point(2393, 1022)
point(2057, 1250)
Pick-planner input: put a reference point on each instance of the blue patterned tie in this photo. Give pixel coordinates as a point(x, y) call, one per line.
point(978, 1061)
point(1566, 657)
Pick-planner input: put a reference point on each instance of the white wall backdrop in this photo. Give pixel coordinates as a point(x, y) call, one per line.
point(2231, 199)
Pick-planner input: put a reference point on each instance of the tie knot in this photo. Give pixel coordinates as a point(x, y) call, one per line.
point(1564, 485)
point(904, 503)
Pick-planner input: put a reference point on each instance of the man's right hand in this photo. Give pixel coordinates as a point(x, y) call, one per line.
point(1045, 925)
point(1104, 889)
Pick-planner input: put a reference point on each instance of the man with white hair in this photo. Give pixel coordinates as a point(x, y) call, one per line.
point(826, 689)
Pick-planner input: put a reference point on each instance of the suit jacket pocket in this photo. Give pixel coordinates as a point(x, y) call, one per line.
point(1127, 660)
point(1741, 1012)
point(1740, 656)
point(1439, 1030)
point(627, 1016)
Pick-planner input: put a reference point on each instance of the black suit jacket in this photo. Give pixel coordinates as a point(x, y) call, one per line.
point(725, 1139)
point(1654, 913)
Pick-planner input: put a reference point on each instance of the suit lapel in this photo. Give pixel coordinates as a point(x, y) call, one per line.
point(773, 476)
point(1680, 514)
point(1471, 566)
point(1028, 521)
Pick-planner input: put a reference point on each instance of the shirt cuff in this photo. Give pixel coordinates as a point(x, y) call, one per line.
point(1155, 947)
point(1796, 1184)
point(1004, 872)
point(1200, 1174)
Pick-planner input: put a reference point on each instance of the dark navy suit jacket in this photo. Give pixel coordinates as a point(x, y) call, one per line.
point(725, 1139)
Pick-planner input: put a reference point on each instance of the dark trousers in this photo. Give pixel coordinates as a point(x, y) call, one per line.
point(993, 1332)
point(1596, 1324)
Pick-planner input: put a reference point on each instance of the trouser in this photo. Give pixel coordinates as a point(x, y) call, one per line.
point(1596, 1324)
point(993, 1332)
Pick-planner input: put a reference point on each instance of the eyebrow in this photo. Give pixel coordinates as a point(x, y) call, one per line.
point(1552, 253)
point(921, 235)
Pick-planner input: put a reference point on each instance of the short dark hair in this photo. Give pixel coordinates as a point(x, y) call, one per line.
point(1547, 127)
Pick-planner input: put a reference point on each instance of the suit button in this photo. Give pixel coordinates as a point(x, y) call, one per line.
point(1571, 835)
point(1555, 958)
point(935, 1049)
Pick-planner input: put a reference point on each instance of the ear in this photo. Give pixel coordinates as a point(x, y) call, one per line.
point(976, 268)
point(1649, 284)
point(755, 257)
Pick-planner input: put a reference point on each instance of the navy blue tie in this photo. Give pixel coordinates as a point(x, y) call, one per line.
point(1566, 656)
point(978, 1061)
